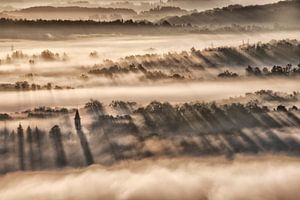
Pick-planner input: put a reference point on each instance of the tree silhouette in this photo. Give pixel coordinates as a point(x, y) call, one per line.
point(60, 156)
point(20, 134)
point(30, 141)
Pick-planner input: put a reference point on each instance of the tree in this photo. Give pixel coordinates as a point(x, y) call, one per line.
point(281, 108)
point(60, 156)
point(48, 55)
point(249, 71)
point(94, 106)
point(30, 142)
point(39, 137)
point(20, 134)
point(265, 71)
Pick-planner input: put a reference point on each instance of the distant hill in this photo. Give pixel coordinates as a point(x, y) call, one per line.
point(165, 10)
point(62, 29)
point(73, 13)
point(160, 12)
point(97, 14)
point(76, 9)
point(198, 4)
point(2, 15)
point(284, 12)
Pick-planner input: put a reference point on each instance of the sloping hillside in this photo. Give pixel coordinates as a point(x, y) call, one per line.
point(284, 13)
point(73, 12)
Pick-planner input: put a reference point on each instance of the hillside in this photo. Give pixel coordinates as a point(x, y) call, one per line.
point(284, 13)
point(73, 12)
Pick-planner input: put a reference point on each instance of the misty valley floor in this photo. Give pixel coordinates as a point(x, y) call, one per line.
point(260, 177)
point(198, 124)
point(140, 100)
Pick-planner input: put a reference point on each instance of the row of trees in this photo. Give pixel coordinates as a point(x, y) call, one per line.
point(183, 65)
point(37, 149)
point(116, 70)
point(79, 23)
point(31, 146)
point(276, 70)
point(25, 86)
point(45, 55)
point(191, 117)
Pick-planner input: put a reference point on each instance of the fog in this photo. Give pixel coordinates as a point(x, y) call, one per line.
point(175, 92)
point(151, 112)
point(250, 178)
point(113, 47)
point(23, 4)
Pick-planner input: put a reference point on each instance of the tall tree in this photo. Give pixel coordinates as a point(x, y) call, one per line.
point(60, 155)
point(38, 137)
point(20, 134)
point(30, 143)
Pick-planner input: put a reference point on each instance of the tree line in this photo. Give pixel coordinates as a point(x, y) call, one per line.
point(79, 23)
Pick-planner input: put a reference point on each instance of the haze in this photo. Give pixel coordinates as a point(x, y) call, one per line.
point(149, 100)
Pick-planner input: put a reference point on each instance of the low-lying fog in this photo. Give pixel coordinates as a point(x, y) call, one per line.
point(175, 93)
point(248, 178)
point(136, 4)
point(113, 47)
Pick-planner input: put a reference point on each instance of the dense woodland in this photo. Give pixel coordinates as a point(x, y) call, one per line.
point(185, 129)
point(63, 29)
point(285, 13)
point(195, 64)
point(47, 138)
point(260, 60)
point(95, 13)
point(149, 99)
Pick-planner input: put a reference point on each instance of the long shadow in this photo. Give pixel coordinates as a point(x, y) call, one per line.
point(294, 117)
point(111, 146)
point(277, 143)
point(12, 142)
point(21, 148)
point(38, 138)
point(252, 146)
point(238, 119)
point(207, 122)
point(99, 124)
point(5, 138)
point(112, 125)
point(265, 145)
point(30, 141)
point(270, 121)
point(60, 155)
point(230, 126)
point(232, 140)
point(208, 147)
point(226, 148)
point(85, 147)
point(294, 146)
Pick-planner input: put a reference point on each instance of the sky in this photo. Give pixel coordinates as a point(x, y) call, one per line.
point(28, 3)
